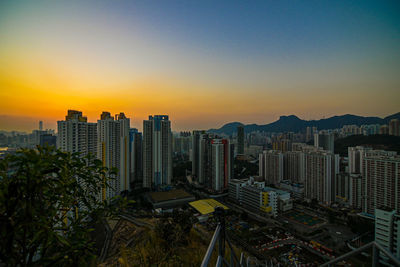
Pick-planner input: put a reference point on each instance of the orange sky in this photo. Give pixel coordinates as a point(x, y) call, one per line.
point(93, 60)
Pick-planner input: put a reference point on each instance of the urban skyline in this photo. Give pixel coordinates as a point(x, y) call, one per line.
point(211, 62)
point(143, 133)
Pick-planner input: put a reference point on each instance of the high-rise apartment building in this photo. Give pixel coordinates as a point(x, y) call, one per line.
point(321, 168)
point(182, 143)
point(205, 160)
point(113, 150)
point(92, 138)
point(325, 141)
point(108, 150)
point(394, 127)
point(157, 152)
point(220, 164)
point(136, 161)
point(124, 165)
point(271, 166)
point(308, 134)
point(355, 194)
point(73, 133)
point(196, 143)
point(384, 129)
point(293, 166)
point(240, 140)
point(381, 182)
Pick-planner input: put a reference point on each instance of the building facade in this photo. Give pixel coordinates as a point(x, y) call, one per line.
point(240, 140)
point(157, 152)
point(271, 166)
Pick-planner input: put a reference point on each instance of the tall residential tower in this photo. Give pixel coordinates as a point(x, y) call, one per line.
point(157, 152)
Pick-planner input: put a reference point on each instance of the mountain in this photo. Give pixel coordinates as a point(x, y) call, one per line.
point(293, 123)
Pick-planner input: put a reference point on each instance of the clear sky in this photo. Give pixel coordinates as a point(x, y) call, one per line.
point(204, 63)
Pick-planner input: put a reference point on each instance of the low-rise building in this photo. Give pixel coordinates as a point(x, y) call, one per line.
point(257, 197)
point(296, 189)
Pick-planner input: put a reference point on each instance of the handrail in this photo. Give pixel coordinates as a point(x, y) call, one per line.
point(220, 235)
point(210, 249)
point(377, 248)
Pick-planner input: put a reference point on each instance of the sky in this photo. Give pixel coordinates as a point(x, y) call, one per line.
point(204, 63)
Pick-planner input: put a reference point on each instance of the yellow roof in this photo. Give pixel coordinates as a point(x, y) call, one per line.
point(206, 206)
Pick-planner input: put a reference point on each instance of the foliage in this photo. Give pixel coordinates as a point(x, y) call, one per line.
point(173, 231)
point(386, 142)
point(151, 252)
point(48, 202)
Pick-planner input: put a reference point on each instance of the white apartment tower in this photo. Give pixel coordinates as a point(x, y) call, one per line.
point(157, 152)
point(113, 150)
point(75, 134)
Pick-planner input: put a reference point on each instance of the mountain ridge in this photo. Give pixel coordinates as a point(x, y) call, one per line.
point(292, 123)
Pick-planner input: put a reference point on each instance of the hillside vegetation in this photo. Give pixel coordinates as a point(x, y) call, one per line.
point(386, 142)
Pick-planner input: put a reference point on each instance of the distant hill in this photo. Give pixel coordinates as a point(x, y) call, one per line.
point(294, 124)
point(385, 142)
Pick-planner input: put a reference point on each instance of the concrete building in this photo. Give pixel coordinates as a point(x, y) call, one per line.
point(157, 152)
point(294, 166)
point(356, 156)
point(196, 138)
point(221, 164)
point(342, 188)
point(113, 151)
point(309, 134)
point(256, 196)
point(321, 168)
point(325, 141)
point(282, 145)
point(92, 138)
point(387, 230)
point(48, 139)
point(259, 200)
point(355, 195)
point(205, 160)
point(73, 133)
point(271, 166)
point(235, 187)
point(182, 143)
point(296, 190)
point(240, 140)
point(394, 127)
point(136, 159)
point(384, 129)
point(380, 182)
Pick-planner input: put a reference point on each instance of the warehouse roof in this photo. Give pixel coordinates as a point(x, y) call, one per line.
point(206, 206)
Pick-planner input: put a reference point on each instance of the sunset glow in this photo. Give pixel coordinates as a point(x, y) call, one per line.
point(202, 63)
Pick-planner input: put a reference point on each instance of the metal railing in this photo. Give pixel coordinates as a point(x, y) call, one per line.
point(221, 238)
point(376, 250)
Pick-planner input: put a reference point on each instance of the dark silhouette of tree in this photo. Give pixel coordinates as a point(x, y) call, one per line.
point(49, 201)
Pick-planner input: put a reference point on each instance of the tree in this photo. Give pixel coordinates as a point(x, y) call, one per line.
point(49, 201)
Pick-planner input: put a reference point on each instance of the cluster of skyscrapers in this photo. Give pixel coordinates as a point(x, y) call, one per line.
point(310, 166)
point(212, 160)
point(144, 160)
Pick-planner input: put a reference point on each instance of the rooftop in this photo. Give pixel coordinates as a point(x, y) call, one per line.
point(206, 206)
point(168, 195)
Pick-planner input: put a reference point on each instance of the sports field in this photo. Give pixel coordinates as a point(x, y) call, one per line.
point(303, 218)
